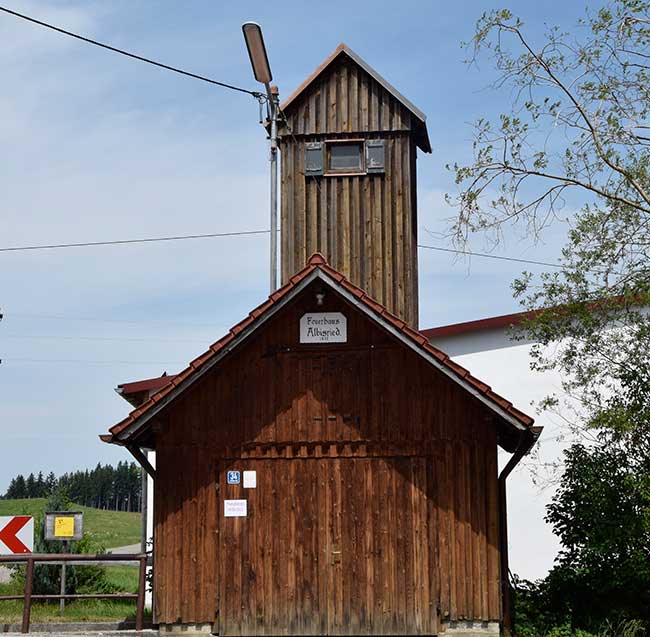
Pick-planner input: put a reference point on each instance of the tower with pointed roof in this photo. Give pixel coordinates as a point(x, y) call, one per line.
point(349, 142)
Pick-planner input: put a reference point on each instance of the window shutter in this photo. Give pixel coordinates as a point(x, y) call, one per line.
point(314, 159)
point(375, 156)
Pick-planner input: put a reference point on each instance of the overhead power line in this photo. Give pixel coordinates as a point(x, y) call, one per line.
point(134, 56)
point(78, 361)
point(490, 256)
point(129, 339)
point(85, 244)
point(59, 317)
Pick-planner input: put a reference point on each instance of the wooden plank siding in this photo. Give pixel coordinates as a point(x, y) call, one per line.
point(365, 225)
point(376, 506)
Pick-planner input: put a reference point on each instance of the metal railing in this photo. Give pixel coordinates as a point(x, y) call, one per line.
point(78, 559)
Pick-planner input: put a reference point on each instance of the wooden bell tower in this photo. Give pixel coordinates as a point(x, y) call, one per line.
point(348, 148)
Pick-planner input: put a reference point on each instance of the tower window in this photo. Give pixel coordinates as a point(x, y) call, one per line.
point(345, 157)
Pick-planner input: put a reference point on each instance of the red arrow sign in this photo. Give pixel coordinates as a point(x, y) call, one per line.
point(8, 534)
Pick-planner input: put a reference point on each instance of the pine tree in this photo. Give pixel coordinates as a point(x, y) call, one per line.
point(104, 487)
point(40, 485)
point(21, 489)
point(30, 486)
point(50, 482)
point(11, 490)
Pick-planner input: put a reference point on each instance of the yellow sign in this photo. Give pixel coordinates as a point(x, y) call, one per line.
point(63, 527)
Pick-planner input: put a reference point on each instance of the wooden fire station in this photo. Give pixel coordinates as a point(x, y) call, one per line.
point(322, 469)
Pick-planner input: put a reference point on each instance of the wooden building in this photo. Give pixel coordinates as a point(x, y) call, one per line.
point(322, 469)
point(348, 187)
point(377, 504)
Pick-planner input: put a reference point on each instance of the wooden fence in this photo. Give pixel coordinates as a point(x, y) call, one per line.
point(77, 559)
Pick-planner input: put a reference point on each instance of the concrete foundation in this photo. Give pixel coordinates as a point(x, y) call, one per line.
point(186, 630)
point(447, 629)
point(470, 629)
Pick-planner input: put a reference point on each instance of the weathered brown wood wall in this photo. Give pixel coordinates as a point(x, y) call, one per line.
point(360, 448)
point(366, 225)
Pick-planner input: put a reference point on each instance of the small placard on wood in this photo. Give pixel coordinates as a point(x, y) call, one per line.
point(64, 525)
point(250, 479)
point(323, 327)
point(235, 508)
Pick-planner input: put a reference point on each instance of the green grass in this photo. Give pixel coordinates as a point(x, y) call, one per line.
point(107, 528)
point(124, 577)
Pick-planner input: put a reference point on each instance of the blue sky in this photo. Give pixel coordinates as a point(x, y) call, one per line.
point(96, 146)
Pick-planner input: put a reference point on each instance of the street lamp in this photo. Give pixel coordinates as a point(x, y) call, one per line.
point(257, 52)
point(262, 72)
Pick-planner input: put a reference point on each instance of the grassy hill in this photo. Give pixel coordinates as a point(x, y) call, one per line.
point(108, 528)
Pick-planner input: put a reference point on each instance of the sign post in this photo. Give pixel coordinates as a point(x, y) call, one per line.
point(63, 526)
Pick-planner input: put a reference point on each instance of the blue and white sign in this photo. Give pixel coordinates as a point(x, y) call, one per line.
point(233, 477)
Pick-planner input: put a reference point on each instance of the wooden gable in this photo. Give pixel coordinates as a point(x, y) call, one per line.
point(370, 391)
point(346, 95)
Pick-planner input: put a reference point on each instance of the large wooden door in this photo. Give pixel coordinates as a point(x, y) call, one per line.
point(330, 546)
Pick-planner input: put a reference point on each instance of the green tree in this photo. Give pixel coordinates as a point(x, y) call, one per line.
point(50, 482)
point(576, 130)
point(30, 486)
point(578, 126)
point(601, 513)
point(20, 488)
point(40, 485)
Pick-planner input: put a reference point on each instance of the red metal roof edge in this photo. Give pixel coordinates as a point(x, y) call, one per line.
point(479, 325)
point(510, 320)
point(148, 384)
point(317, 261)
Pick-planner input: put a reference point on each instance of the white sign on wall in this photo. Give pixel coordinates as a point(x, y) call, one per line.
point(235, 508)
point(250, 479)
point(323, 327)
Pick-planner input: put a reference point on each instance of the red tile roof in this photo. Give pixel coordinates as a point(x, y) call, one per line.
point(317, 261)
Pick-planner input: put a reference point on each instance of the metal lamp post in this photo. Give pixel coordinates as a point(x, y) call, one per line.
point(262, 72)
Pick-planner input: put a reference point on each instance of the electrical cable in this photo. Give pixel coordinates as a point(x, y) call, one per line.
point(84, 244)
point(256, 94)
point(11, 359)
point(104, 338)
point(59, 317)
point(490, 256)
